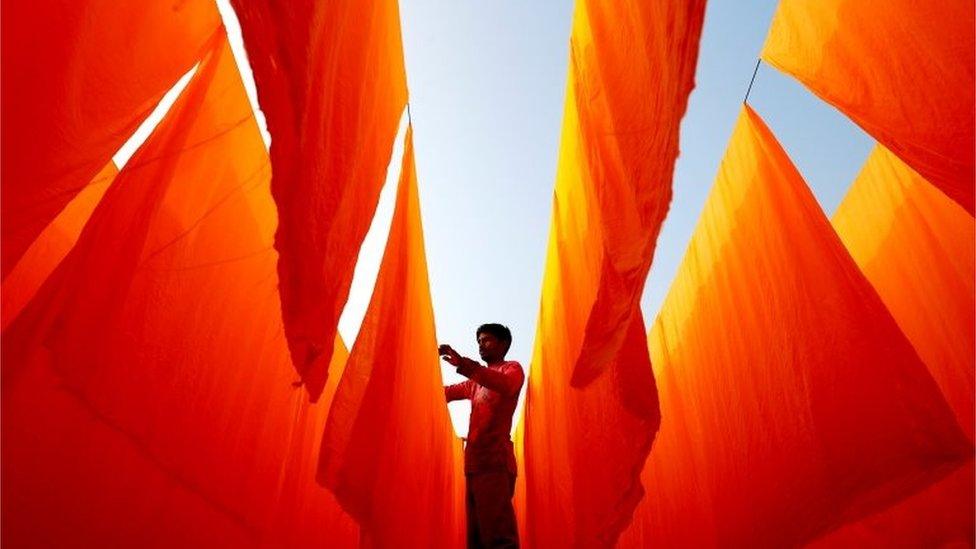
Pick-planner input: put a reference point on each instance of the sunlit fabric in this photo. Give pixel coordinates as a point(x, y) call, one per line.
point(916, 247)
point(901, 69)
point(591, 407)
point(918, 250)
point(77, 79)
point(791, 402)
point(389, 451)
point(332, 85)
point(632, 66)
point(51, 245)
point(147, 393)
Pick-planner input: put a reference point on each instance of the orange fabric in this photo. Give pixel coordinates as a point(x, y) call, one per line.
point(916, 247)
point(632, 66)
point(389, 452)
point(591, 406)
point(332, 85)
point(147, 393)
point(939, 516)
point(77, 80)
point(918, 250)
point(791, 401)
point(901, 69)
point(50, 247)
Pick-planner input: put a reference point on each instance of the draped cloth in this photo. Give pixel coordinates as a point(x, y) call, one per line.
point(791, 401)
point(916, 247)
point(77, 79)
point(147, 392)
point(389, 452)
point(903, 70)
point(591, 406)
point(332, 85)
point(51, 245)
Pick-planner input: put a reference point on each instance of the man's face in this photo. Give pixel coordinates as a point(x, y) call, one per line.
point(489, 347)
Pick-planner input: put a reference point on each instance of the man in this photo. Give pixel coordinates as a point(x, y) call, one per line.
point(489, 457)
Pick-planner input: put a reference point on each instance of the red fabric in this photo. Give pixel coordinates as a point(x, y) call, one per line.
point(493, 391)
point(54, 242)
point(77, 79)
point(591, 405)
point(389, 452)
point(147, 392)
point(903, 70)
point(791, 402)
point(332, 85)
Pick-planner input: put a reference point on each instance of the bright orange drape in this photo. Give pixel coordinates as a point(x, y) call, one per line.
point(332, 85)
point(51, 245)
point(916, 247)
point(632, 67)
point(77, 80)
point(901, 69)
point(389, 451)
point(591, 407)
point(791, 402)
point(147, 395)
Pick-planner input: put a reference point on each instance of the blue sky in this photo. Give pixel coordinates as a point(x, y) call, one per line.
point(487, 82)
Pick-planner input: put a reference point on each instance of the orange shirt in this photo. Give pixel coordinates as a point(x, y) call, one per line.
point(493, 391)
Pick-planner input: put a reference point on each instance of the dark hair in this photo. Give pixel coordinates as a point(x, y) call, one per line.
point(500, 332)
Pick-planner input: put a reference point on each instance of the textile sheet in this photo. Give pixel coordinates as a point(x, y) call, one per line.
point(901, 69)
point(791, 402)
point(591, 405)
point(77, 79)
point(332, 86)
point(916, 247)
point(389, 452)
point(147, 392)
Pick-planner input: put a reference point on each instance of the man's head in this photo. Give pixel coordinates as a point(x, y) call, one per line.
point(493, 342)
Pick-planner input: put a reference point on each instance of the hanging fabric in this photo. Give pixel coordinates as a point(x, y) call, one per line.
point(77, 80)
point(591, 406)
point(902, 70)
point(389, 452)
point(791, 402)
point(147, 392)
point(916, 247)
point(332, 85)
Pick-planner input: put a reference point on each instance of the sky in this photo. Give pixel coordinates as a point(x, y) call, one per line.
point(487, 82)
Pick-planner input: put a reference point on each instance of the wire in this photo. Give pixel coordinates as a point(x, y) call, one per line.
point(744, 99)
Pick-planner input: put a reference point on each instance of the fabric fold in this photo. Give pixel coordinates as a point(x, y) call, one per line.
point(332, 85)
point(389, 452)
point(792, 403)
point(902, 70)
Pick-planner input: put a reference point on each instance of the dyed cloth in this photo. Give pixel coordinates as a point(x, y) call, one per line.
point(54, 242)
point(493, 392)
point(591, 405)
point(77, 79)
point(147, 391)
point(332, 86)
point(903, 70)
point(791, 402)
point(916, 247)
point(389, 452)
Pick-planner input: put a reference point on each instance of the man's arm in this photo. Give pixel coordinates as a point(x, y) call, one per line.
point(507, 380)
point(459, 391)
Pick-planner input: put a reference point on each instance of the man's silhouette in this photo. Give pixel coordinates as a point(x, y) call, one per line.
point(489, 457)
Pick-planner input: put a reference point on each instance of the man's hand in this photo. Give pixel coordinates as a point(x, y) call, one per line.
point(450, 355)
